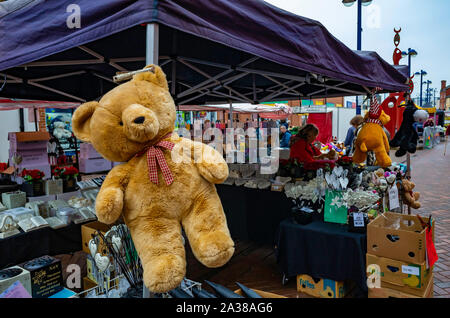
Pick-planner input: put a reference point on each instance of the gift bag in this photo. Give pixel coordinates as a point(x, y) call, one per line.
point(335, 210)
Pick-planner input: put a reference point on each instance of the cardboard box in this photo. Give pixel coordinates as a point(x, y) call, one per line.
point(263, 294)
point(88, 283)
point(321, 287)
point(401, 275)
point(87, 151)
point(14, 274)
point(94, 165)
point(385, 292)
point(407, 243)
point(46, 276)
point(88, 229)
point(30, 158)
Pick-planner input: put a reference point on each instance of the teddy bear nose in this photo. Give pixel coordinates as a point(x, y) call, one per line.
point(139, 120)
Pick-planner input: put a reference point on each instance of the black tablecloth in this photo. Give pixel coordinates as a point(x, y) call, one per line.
point(253, 214)
point(46, 241)
point(323, 250)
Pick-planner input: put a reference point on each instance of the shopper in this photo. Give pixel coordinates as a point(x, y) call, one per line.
point(351, 132)
point(285, 136)
point(301, 145)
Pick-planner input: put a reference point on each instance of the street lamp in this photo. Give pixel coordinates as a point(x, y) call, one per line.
point(422, 73)
point(349, 3)
point(410, 53)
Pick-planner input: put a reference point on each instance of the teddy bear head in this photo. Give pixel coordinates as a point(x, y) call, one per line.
point(408, 185)
point(129, 118)
point(384, 118)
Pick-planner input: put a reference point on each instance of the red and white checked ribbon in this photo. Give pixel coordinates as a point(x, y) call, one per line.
point(375, 110)
point(155, 156)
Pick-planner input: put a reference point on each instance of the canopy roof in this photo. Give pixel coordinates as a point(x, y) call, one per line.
point(211, 51)
point(11, 104)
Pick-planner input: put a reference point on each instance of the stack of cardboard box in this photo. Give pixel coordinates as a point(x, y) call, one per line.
point(397, 257)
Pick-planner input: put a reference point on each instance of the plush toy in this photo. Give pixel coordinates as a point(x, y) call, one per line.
point(60, 131)
point(409, 197)
point(406, 137)
point(371, 137)
point(159, 187)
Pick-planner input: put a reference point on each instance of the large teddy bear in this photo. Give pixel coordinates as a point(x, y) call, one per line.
point(159, 187)
point(371, 137)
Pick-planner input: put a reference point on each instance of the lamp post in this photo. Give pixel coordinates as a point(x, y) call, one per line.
point(422, 73)
point(349, 3)
point(427, 98)
point(410, 53)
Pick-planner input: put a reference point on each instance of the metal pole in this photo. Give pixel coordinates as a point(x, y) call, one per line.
point(21, 121)
point(35, 119)
point(359, 35)
point(409, 63)
point(151, 57)
point(421, 82)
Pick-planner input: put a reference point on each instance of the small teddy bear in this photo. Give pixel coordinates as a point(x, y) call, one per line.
point(165, 183)
point(60, 131)
point(409, 197)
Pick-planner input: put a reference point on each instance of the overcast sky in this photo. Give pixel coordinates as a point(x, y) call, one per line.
point(425, 27)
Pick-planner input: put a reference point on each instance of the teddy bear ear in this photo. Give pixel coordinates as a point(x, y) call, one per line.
point(156, 77)
point(81, 120)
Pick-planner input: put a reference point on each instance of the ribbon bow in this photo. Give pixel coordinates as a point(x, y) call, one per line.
point(375, 109)
point(155, 156)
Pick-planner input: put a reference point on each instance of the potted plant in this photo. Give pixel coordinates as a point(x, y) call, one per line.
point(69, 176)
point(33, 183)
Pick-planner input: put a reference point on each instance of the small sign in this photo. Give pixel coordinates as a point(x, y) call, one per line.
point(393, 197)
point(410, 270)
point(358, 219)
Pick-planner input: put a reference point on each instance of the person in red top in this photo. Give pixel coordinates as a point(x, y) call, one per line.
point(301, 145)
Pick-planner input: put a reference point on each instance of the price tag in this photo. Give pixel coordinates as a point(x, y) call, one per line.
point(393, 197)
point(411, 270)
point(358, 219)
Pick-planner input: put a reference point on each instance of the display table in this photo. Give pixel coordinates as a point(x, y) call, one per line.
point(323, 250)
point(46, 241)
point(253, 214)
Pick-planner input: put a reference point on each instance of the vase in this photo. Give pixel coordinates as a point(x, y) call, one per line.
point(69, 185)
point(33, 188)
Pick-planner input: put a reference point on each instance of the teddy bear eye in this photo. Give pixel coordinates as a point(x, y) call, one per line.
point(121, 123)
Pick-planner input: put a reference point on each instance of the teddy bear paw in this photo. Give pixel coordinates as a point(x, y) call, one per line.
point(164, 273)
point(215, 249)
point(108, 205)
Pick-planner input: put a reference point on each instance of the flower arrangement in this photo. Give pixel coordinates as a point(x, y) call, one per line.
point(32, 175)
point(65, 172)
point(3, 166)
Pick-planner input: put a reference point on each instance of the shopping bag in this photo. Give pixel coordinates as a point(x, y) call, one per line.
point(335, 210)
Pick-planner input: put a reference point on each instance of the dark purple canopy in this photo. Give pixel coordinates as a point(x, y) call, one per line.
point(198, 40)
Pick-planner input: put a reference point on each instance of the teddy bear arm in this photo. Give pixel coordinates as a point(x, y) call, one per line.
point(109, 202)
point(212, 166)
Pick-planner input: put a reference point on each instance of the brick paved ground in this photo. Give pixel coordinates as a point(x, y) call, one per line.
point(431, 172)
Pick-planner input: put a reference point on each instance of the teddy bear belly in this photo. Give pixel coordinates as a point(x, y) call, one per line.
point(145, 199)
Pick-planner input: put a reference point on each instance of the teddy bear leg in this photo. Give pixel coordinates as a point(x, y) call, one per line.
point(161, 250)
point(416, 196)
point(383, 160)
point(207, 230)
point(359, 156)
